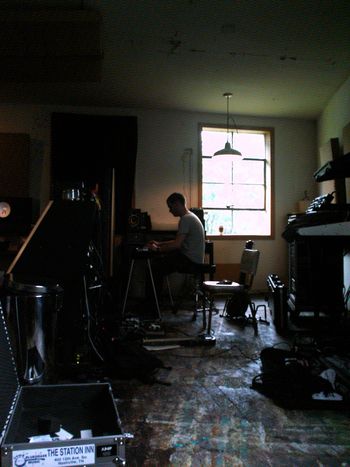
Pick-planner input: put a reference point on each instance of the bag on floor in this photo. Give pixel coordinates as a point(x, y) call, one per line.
point(290, 380)
point(237, 305)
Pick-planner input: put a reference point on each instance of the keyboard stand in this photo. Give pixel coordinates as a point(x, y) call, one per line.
point(141, 254)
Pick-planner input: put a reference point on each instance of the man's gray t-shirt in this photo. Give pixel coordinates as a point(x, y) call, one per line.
point(193, 245)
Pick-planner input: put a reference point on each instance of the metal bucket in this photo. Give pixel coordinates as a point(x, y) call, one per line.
point(32, 307)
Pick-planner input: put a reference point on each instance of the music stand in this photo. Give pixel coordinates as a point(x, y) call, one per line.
point(58, 243)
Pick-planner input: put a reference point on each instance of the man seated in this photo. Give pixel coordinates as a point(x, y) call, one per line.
point(184, 252)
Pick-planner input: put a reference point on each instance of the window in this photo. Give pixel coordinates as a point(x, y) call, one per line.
point(236, 191)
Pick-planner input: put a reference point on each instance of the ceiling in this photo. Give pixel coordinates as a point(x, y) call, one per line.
point(279, 58)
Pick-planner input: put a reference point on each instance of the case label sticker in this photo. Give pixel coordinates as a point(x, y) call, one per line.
point(62, 456)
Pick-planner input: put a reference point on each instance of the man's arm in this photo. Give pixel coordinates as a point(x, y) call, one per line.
point(169, 245)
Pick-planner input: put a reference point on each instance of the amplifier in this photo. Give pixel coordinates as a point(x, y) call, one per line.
point(278, 303)
point(200, 214)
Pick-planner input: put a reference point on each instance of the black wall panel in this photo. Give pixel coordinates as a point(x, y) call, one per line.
point(84, 150)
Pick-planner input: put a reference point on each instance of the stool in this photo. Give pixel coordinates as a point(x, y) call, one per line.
point(228, 290)
point(217, 288)
point(33, 304)
point(198, 271)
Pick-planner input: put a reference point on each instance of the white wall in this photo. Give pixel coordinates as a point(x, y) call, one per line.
point(335, 115)
point(165, 164)
point(34, 121)
point(333, 119)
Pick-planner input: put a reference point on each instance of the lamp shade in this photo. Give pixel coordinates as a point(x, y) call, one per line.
point(228, 150)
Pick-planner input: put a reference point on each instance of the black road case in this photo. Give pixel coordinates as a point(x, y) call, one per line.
point(84, 415)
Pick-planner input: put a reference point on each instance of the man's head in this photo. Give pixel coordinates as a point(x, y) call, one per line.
point(177, 204)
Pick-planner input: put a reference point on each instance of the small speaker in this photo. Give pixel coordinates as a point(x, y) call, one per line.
point(138, 220)
point(134, 219)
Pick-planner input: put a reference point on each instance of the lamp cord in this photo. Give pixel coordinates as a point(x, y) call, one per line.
point(228, 95)
point(227, 114)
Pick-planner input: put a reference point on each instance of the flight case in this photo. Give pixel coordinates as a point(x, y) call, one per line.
point(85, 417)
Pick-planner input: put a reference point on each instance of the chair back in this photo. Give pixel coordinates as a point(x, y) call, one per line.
point(248, 267)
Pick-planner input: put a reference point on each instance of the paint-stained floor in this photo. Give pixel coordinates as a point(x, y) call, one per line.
point(203, 411)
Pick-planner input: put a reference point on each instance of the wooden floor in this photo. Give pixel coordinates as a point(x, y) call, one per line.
point(203, 411)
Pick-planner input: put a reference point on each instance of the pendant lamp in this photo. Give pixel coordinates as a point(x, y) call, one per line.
point(227, 150)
